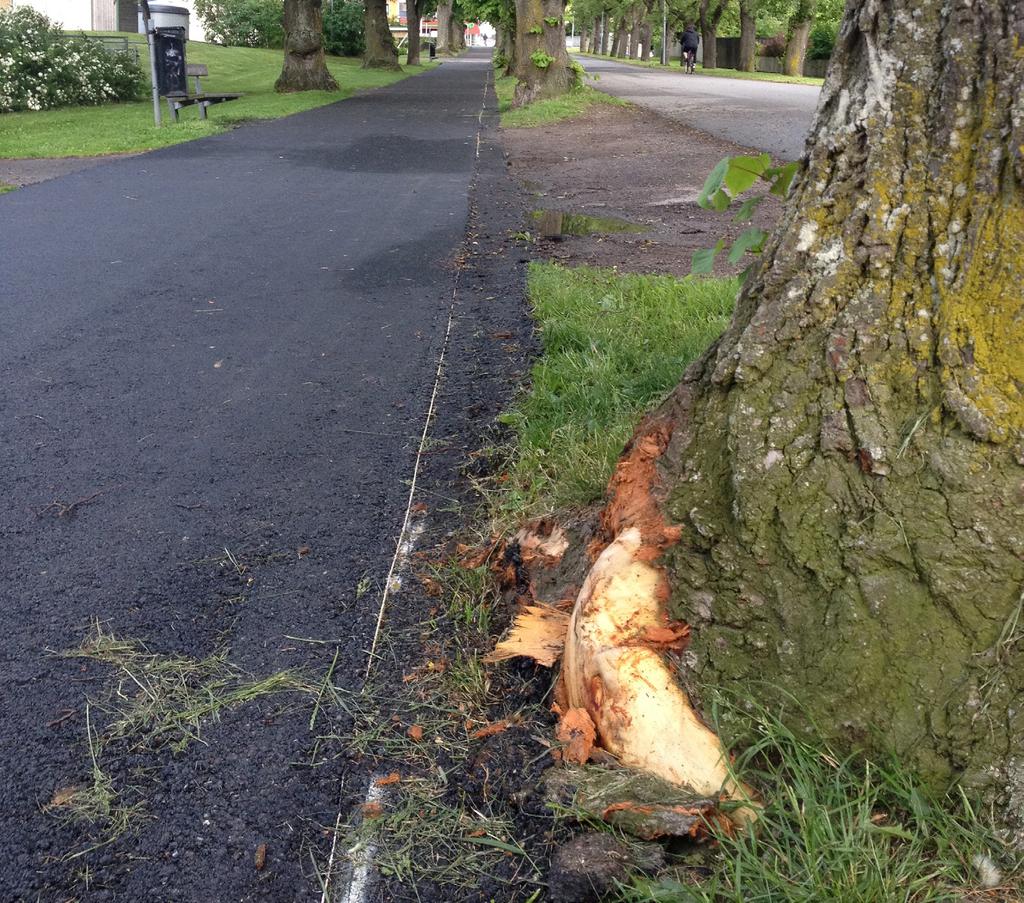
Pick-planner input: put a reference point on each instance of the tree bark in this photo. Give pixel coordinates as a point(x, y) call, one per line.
point(444, 18)
point(456, 32)
point(413, 23)
point(584, 39)
point(645, 41)
point(843, 471)
point(606, 36)
point(619, 45)
point(748, 35)
point(305, 67)
point(381, 52)
point(710, 15)
point(505, 43)
point(799, 32)
point(542, 63)
point(634, 35)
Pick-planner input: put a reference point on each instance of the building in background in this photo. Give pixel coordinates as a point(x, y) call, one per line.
point(103, 15)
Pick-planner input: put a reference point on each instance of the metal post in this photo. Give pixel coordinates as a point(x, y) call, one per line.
point(147, 19)
point(664, 34)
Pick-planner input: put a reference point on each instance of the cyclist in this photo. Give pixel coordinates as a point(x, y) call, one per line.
point(690, 42)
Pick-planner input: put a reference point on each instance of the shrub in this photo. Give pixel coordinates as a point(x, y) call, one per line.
point(822, 41)
point(41, 67)
point(243, 23)
point(343, 29)
point(774, 46)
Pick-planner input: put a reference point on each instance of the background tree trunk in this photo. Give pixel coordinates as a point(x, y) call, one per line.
point(620, 45)
point(456, 31)
point(634, 35)
point(538, 41)
point(845, 467)
point(305, 68)
point(444, 18)
point(605, 35)
point(799, 32)
point(645, 41)
point(584, 39)
point(413, 19)
point(710, 15)
point(505, 41)
point(748, 35)
point(381, 52)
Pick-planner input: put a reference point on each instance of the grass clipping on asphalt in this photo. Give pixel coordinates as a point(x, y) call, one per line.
point(830, 827)
point(152, 701)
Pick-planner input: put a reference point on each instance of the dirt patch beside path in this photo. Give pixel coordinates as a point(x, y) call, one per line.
point(632, 164)
point(27, 171)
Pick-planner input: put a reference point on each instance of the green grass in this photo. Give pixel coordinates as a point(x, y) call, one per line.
point(544, 112)
point(5, 187)
point(838, 828)
point(717, 73)
point(614, 345)
point(122, 128)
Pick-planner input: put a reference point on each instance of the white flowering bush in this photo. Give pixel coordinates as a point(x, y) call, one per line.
point(41, 67)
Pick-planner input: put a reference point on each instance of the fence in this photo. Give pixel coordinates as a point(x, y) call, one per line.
point(111, 43)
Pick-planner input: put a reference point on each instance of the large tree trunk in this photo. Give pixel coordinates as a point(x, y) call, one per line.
point(606, 37)
point(619, 45)
point(505, 42)
point(634, 35)
point(542, 63)
point(381, 52)
point(584, 39)
point(413, 22)
point(305, 68)
point(838, 484)
point(444, 19)
point(645, 41)
point(456, 32)
point(748, 35)
point(710, 15)
point(799, 32)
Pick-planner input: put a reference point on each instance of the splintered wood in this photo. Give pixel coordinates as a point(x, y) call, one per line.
point(538, 633)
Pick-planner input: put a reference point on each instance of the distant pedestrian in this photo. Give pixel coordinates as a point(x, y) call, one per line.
point(690, 41)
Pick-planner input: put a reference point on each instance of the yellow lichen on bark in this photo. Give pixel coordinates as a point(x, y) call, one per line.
point(982, 326)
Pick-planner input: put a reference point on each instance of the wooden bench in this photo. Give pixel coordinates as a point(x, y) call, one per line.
point(199, 99)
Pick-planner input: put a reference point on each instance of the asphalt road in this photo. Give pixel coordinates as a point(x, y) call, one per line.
point(768, 116)
point(215, 361)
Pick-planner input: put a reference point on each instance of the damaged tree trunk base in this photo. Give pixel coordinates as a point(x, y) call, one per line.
point(614, 669)
point(618, 688)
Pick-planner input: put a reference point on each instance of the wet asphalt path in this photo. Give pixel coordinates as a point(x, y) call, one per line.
point(223, 346)
point(769, 116)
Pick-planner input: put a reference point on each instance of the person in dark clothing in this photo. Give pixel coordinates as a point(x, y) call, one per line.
point(691, 41)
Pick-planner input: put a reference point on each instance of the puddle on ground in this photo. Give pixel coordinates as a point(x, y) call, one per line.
point(556, 224)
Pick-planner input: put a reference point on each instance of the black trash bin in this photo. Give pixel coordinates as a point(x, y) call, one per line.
point(433, 49)
point(170, 61)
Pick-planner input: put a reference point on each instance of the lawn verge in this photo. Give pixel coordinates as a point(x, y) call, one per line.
point(544, 112)
point(716, 73)
point(128, 127)
point(613, 345)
